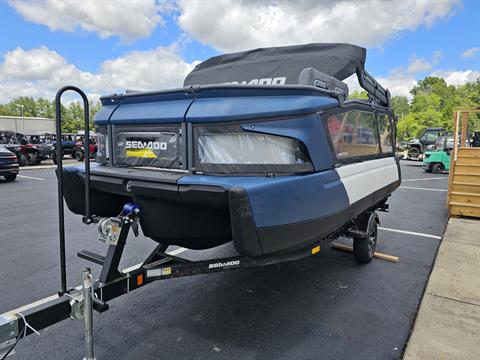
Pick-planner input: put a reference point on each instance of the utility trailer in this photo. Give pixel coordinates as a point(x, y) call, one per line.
point(341, 149)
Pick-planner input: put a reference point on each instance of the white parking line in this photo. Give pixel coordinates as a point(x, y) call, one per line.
point(424, 179)
point(419, 188)
point(410, 233)
point(136, 266)
point(30, 177)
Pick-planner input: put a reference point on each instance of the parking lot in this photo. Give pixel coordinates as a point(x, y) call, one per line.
point(323, 307)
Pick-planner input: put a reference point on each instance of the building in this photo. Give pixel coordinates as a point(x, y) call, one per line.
point(27, 124)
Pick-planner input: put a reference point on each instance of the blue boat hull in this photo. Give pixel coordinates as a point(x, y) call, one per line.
point(260, 215)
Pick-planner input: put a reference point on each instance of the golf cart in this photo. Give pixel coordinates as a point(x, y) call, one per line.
point(438, 159)
point(416, 147)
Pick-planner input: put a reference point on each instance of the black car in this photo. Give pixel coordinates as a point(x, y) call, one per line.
point(8, 164)
point(9, 140)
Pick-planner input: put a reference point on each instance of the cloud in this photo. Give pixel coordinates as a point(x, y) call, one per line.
point(41, 72)
point(36, 64)
point(128, 19)
point(418, 65)
point(469, 53)
point(458, 77)
point(240, 25)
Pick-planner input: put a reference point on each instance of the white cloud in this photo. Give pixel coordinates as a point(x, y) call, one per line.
point(128, 19)
point(470, 52)
point(35, 64)
point(233, 25)
point(418, 65)
point(398, 85)
point(458, 77)
point(41, 72)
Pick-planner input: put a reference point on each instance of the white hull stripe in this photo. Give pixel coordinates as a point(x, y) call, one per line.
point(362, 179)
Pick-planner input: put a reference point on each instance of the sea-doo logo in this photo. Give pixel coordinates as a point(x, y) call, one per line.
point(281, 80)
point(155, 145)
point(224, 264)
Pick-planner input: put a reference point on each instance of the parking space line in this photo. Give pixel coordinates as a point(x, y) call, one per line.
point(410, 233)
point(136, 266)
point(424, 179)
point(419, 188)
point(30, 177)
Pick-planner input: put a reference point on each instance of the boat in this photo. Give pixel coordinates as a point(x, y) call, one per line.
point(261, 148)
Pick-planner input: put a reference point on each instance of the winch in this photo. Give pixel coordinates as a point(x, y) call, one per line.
point(109, 228)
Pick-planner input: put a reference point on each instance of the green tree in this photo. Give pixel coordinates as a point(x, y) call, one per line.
point(400, 106)
point(360, 95)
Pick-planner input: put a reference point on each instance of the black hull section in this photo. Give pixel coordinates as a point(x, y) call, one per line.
point(201, 217)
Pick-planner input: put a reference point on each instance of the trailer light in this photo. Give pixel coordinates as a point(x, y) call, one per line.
point(140, 280)
point(316, 249)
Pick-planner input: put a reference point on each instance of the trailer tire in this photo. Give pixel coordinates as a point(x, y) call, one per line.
point(364, 247)
point(437, 168)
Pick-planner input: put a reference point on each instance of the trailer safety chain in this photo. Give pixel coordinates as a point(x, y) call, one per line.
point(21, 335)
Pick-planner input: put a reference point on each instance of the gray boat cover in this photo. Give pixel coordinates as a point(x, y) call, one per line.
point(278, 65)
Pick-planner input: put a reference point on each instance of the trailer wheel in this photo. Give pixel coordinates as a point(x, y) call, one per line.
point(437, 168)
point(364, 246)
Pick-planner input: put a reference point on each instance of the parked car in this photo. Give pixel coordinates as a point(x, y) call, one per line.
point(417, 147)
point(8, 164)
point(9, 140)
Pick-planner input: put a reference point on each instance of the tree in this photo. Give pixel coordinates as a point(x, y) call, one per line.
point(400, 106)
point(360, 95)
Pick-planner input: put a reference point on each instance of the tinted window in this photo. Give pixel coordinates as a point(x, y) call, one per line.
point(353, 134)
point(385, 130)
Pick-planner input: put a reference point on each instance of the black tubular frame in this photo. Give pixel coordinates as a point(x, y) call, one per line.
point(59, 149)
point(375, 91)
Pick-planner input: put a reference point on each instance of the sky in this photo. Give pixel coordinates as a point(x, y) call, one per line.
point(109, 46)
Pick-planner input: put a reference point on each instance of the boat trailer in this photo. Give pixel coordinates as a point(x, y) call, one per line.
point(94, 294)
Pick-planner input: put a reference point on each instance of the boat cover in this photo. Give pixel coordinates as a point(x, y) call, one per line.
point(278, 65)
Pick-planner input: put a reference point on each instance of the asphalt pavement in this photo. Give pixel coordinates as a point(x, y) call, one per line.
point(323, 307)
